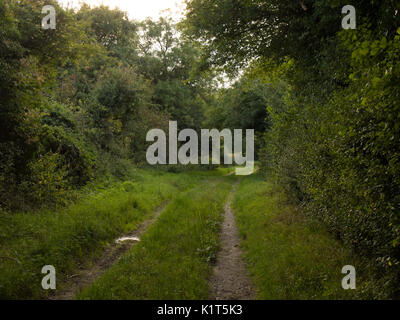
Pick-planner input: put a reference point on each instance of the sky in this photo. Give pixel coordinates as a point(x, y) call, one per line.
point(138, 9)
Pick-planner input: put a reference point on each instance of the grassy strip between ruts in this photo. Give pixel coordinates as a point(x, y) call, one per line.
point(74, 235)
point(290, 257)
point(172, 260)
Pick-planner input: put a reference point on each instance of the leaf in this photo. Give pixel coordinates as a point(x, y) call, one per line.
point(364, 51)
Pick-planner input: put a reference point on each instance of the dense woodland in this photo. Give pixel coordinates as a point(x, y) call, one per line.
point(76, 103)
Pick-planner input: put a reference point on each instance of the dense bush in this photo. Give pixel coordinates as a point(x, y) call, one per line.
point(78, 101)
point(337, 151)
point(334, 108)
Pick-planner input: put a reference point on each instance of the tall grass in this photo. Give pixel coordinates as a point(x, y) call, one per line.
point(289, 256)
point(71, 236)
point(172, 260)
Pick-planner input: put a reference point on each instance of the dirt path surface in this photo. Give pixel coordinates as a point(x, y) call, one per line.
point(230, 280)
point(86, 276)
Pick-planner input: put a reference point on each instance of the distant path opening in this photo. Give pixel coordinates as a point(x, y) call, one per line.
point(230, 279)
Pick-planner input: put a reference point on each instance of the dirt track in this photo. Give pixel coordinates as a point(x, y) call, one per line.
point(86, 276)
point(230, 280)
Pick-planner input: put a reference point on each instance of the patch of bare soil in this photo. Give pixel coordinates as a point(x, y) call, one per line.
point(86, 276)
point(230, 279)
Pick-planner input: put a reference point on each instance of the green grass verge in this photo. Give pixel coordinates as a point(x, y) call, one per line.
point(172, 260)
point(290, 257)
point(74, 235)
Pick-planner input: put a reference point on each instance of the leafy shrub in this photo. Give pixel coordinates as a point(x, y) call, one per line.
point(335, 148)
point(48, 180)
point(127, 186)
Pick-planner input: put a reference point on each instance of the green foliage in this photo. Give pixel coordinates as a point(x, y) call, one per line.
point(242, 106)
point(172, 259)
point(172, 64)
point(76, 104)
point(291, 257)
point(128, 186)
point(75, 235)
point(48, 180)
point(87, 91)
point(111, 28)
point(332, 144)
point(235, 32)
point(339, 155)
